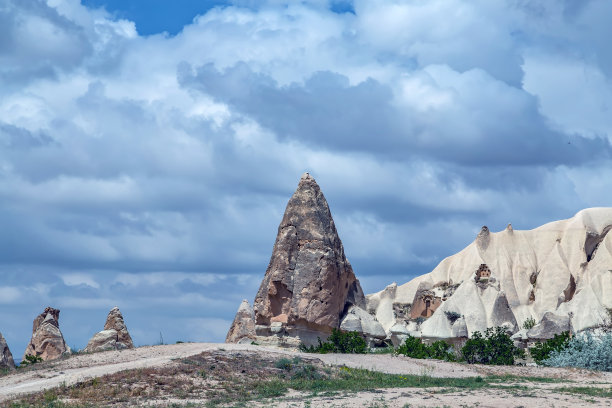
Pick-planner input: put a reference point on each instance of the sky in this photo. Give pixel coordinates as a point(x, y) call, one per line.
point(148, 149)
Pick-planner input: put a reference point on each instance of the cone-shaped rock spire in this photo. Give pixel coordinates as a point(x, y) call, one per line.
point(47, 340)
point(115, 335)
point(6, 358)
point(309, 284)
point(243, 327)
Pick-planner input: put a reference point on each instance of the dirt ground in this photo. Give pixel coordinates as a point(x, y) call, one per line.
point(520, 392)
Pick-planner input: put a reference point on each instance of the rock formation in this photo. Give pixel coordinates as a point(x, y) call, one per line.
point(6, 358)
point(309, 284)
point(115, 335)
point(560, 274)
point(47, 340)
point(243, 327)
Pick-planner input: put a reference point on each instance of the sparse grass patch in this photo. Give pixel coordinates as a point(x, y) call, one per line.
point(235, 379)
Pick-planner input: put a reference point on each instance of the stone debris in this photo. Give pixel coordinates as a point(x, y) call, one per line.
point(47, 340)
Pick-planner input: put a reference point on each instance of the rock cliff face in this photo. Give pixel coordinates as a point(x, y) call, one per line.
point(6, 358)
point(47, 340)
point(309, 284)
point(115, 335)
point(559, 274)
point(243, 327)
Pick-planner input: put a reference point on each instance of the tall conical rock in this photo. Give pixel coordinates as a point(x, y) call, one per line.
point(309, 284)
point(115, 335)
point(6, 358)
point(243, 327)
point(47, 340)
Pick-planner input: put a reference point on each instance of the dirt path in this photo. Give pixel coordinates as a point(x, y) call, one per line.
point(82, 367)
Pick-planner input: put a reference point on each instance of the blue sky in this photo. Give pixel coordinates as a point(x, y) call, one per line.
point(148, 149)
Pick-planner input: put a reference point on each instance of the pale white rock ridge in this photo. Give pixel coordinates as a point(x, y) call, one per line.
point(562, 270)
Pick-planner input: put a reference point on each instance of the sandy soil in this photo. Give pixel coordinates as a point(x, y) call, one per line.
point(81, 367)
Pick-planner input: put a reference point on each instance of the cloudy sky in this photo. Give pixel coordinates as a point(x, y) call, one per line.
point(148, 148)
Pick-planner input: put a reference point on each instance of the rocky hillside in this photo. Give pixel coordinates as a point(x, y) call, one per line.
point(559, 274)
point(557, 277)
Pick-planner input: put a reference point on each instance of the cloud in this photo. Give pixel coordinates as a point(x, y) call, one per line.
point(152, 172)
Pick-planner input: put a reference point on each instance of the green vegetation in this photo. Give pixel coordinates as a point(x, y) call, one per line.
point(30, 360)
point(529, 323)
point(495, 348)
point(452, 316)
point(339, 342)
point(585, 351)
point(415, 348)
point(541, 351)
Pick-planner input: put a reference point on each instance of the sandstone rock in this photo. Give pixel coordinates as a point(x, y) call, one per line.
point(361, 321)
point(6, 358)
point(550, 325)
point(561, 267)
point(243, 327)
point(115, 335)
point(309, 284)
point(47, 340)
point(398, 334)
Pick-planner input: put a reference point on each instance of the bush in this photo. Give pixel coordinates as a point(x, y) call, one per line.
point(339, 342)
point(415, 348)
point(496, 348)
point(529, 323)
point(452, 316)
point(30, 359)
point(541, 351)
point(584, 351)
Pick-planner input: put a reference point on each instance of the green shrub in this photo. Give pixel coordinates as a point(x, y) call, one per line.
point(339, 342)
point(541, 351)
point(496, 348)
point(30, 359)
point(529, 323)
point(415, 348)
point(452, 316)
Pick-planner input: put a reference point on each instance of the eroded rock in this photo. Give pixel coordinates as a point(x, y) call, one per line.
point(115, 335)
point(309, 284)
point(47, 340)
point(361, 321)
point(243, 327)
point(550, 325)
point(6, 358)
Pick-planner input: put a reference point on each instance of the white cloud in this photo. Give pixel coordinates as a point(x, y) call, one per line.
point(75, 279)
point(158, 167)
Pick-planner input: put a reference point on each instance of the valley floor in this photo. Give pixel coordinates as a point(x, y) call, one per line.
point(206, 374)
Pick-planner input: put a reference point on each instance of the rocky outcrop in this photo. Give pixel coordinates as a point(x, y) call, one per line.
point(309, 284)
point(115, 335)
point(560, 274)
point(243, 327)
point(550, 325)
point(359, 320)
point(6, 358)
point(47, 340)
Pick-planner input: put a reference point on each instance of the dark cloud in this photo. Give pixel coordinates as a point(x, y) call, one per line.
point(491, 125)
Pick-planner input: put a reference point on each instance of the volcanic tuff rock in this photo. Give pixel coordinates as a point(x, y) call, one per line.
point(6, 358)
point(47, 340)
point(243, 327)
point(115, 335)
point(560, 274)
point(309, 284)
